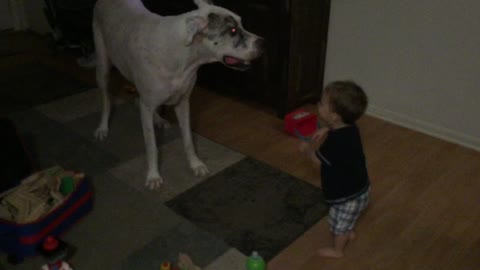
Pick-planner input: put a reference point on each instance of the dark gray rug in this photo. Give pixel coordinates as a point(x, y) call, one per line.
point(252, 206)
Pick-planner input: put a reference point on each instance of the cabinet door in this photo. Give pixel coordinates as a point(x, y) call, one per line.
point(308, 41)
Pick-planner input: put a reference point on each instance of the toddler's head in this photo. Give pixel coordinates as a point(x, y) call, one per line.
point(343, 101)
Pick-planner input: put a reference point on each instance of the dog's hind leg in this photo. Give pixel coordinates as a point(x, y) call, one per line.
point(154, 180)
point(103, 72)
point(182, 110)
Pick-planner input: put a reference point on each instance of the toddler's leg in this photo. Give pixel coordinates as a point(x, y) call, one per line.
point(342, 219)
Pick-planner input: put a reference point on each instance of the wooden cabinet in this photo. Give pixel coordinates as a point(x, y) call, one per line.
point(290, 73)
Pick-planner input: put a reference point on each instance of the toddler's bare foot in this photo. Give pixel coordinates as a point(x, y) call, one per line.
point(329, 253)
point(351, 235)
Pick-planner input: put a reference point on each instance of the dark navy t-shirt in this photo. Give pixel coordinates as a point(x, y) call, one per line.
point(344, 172)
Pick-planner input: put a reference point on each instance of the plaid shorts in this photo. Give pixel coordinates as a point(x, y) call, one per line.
point(342, 217)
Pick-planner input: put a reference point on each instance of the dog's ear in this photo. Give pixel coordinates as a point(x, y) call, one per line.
point(201, 3)
point(194, 26)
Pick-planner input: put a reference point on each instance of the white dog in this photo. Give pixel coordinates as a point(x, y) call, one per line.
point(161, 56)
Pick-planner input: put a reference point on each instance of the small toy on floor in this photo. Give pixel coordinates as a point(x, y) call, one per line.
point(167, 266)
point(54, 251)
point(184, 263)
point(255, 262)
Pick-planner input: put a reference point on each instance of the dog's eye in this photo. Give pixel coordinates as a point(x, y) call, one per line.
point(233, 31)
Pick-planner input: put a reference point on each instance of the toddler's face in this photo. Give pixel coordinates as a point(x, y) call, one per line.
point(325, 113)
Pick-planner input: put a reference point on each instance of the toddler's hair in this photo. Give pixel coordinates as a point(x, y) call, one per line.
point(347, 99)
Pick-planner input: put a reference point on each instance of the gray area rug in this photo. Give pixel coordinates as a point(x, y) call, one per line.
point(252, 206)
point(243, 205)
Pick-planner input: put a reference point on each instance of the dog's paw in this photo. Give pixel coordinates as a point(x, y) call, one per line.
point(200, 169)
point(100, 133)
point(153, 183)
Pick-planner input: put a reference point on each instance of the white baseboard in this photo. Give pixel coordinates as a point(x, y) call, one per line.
point(425, 127)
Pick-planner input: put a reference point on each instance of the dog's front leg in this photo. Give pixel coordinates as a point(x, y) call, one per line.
point(157, 119)
point(154, 180)
point(182, 110)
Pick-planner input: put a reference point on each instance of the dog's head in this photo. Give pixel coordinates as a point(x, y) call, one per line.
point(220, 31)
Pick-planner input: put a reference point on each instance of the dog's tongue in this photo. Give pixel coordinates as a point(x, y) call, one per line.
point(231, 60)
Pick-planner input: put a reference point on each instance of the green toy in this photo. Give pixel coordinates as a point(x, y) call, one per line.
point(67, 185)
point(255, 262)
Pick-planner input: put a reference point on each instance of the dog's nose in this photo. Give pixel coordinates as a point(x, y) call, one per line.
point(260, 44)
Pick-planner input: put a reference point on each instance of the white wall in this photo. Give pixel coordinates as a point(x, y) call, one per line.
point(418, 60)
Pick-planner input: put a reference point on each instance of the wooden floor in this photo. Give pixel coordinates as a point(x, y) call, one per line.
point(425, 207)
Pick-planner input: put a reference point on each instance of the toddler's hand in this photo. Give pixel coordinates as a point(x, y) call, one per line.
point(303, 147)
point(320, 135)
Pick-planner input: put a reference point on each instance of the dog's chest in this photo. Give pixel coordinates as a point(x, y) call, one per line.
point(179, 87)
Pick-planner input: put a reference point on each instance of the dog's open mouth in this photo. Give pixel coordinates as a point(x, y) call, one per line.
point(236, 63)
